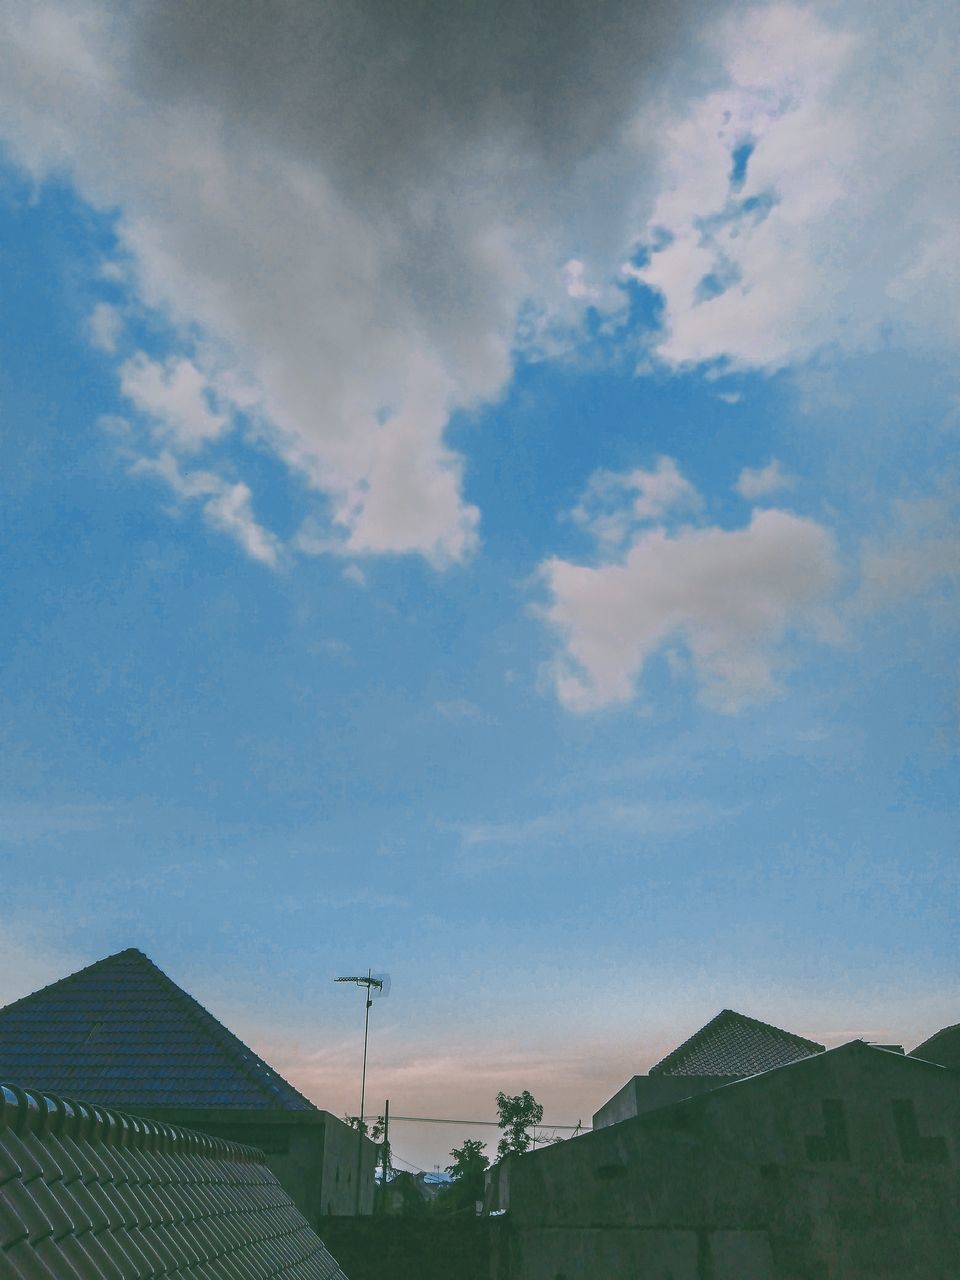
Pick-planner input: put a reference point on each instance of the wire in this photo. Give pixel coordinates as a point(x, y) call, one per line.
point(408, 1163)
point(489, 1124)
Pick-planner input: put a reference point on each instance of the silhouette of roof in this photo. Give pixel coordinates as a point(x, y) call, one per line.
point(731, 1044)
point(121, 1033)
point(942, 1047)
point(86, 1192)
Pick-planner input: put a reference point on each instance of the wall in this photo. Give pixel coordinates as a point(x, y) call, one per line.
point(312, 1154)
point(340, 1170)
point(646, 1093)
point(839, 1167)
point(427, 1248)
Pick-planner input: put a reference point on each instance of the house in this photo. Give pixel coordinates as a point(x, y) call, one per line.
point(942, 1047)
point(729, 1047)
point(841, 1165)
point(121, 1034)
point(86, 1192)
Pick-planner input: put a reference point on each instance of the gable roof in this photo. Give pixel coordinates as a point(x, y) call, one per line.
point(942, 1047)
point(733, 1045)
point(86, 1192)
point(121, 1033)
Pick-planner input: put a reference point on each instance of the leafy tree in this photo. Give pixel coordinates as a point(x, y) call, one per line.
point(375, 1133)
point(516, 1116)
point(467, 1170)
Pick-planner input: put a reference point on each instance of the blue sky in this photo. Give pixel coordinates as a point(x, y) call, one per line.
point(523, 558)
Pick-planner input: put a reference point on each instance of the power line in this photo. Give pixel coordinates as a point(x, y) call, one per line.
point(490, 1124)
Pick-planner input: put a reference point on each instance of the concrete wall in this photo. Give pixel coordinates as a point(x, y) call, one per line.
point(340, 1170)
point(646, 1093)
point(423, 1248)
point(840, 1167)
point(312, 1154)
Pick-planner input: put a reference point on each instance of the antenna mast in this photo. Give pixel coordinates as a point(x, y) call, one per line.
point(371, 984)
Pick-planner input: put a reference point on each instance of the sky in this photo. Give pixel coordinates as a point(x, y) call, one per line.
point(479, 501)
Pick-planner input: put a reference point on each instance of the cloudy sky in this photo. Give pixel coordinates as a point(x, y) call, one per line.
point(479, 499)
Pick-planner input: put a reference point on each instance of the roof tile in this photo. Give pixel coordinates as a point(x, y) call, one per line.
point(121, 1198)
point(731, 1044)
point(121, 1033)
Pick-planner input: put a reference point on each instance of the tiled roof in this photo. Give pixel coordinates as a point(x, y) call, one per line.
point(734, 1045)
point(942, 1047)
point(87, 1194)
point(120, 1033)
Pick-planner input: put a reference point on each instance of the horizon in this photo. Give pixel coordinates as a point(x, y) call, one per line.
point(418, 1144)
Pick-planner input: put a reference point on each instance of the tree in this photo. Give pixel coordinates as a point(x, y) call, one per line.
point(516, 1115)
point(375, 1134)
point(467, 1171)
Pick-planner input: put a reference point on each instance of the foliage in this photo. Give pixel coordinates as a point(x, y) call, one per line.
point(517, 1114)
point(374, 1132)
point(408, 1201)
point(467, 1171)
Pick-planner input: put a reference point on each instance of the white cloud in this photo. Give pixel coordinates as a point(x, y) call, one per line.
point(343, 259)
point(574, 275)
point(353, 573)
point(349, 205)
point(615, 502)
point(226, 506)
point(104, 325)
point(729, 596)
point(760, 482)
point(840, 223)
point(174, 394)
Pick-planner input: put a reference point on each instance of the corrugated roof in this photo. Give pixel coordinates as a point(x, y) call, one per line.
point(121, 1033)
point(88, 1193)
point(731, 1044)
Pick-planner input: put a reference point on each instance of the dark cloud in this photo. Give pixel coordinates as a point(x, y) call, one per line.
point(381, 89)
point(350, 204)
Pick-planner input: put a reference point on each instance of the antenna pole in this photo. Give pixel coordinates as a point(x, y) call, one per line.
point(366, 1032)
point(363, 1086)
point(368, 983)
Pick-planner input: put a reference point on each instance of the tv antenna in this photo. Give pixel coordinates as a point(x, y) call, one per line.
point(376, 985)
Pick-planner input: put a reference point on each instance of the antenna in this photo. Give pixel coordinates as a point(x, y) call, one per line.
point(381, 992)
point(373, 983)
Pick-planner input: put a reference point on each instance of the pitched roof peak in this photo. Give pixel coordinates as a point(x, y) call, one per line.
point(733, 1044)
point(121, 1033)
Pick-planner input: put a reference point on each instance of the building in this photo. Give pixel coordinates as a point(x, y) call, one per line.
point(943, 1047)
point(88, 1193)
point(121, 1034)
point(842, 1165)
point(730, 1047)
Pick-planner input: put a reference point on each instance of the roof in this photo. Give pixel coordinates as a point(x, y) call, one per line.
point(121, 1033)
point(731, 1044)
point(86, 1192)
point(942, 1047)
